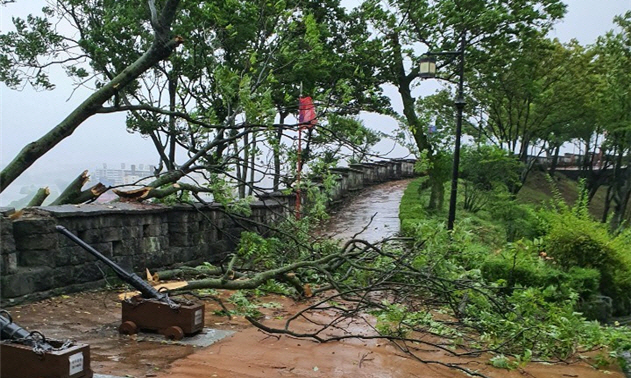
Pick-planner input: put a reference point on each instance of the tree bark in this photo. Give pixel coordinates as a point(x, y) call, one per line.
point(608, 199)
point(163, 45)
point(435, 184)
point(172, 130)
point(259, 278)
point(148, 192)
point(555, 160)
point(279, 137)
point(252, 165)
point(621, 195)
point(39, 197)
point(73, 194)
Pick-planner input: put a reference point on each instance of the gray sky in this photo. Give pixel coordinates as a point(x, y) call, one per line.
point(26, 115)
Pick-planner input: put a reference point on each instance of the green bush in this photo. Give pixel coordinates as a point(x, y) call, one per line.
point(582, 281)
point(519, 220)
point(575, 241)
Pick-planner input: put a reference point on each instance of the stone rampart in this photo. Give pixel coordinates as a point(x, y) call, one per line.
point(37, 262)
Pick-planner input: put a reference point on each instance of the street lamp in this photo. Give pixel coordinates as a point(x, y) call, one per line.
point(427, 69)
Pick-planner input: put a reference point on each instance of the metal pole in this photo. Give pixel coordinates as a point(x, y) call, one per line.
point(298, 172)
point(460, 103)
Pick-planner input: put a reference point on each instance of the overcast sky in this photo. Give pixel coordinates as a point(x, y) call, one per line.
point(26, 115)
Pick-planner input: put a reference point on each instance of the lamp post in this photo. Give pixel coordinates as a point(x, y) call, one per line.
point(427, 69)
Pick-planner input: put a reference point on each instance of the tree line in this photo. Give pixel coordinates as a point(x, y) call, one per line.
point(212, 84)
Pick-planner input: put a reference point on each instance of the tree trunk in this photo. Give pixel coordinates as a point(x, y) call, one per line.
point(437, 195)
point(149, 192)
point(608, 199)
point(555, 160)
point(621, 195)
point(243, 176)
point(277, 149)
point(172, 131)
point(161, 48)
point(252, 165)
point(422, 142)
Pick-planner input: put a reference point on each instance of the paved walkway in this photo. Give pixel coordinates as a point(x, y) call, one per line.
point(373, 214)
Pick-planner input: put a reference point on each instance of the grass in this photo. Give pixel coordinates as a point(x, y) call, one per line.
point(537, 191)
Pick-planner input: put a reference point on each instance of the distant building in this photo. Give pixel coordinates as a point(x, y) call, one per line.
point(122, 176)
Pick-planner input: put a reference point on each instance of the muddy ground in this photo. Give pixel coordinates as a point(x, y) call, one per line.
point(93, 318)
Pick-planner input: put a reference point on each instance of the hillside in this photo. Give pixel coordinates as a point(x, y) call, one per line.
point(538, 190)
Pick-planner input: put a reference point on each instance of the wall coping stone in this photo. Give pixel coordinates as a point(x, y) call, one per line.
point(345, 170)
point(64, 211)
point(6, 211)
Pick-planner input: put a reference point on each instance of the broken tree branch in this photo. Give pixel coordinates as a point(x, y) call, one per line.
point(73, 194)
point(40, 196)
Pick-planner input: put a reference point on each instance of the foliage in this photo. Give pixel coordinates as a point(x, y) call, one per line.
point(401, 27)
point(243, 305)
point(487, 172)
point(520, 301)
point(613, 100)
point(175, 198)
point(575, 240)
point(522, 264)
point(518, 220)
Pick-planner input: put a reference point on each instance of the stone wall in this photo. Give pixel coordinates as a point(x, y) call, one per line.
point(38, 262)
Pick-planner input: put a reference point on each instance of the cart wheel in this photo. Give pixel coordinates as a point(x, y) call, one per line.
point(128, 328)
point(174, 333)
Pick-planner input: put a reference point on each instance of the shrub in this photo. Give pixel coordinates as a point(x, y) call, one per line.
point(519, 220)
point(583, 281)
point(575, 241)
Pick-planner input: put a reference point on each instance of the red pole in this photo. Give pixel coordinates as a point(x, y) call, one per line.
point(298, 171)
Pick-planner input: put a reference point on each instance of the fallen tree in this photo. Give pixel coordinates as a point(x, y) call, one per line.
point(399, 290)
point(163, 45)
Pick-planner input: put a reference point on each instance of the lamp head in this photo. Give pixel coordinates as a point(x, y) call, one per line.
point(427, 67)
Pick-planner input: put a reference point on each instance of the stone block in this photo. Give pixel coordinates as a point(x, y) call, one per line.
point(34, 258)
point(180, 239)
point(176, 216)
point(64, 276)
point(131, 232)
point(233, 234)
point(35, 241)
point(151, 245)
point(191, 227)
point(27, 281)
point(125, 262)
point(110, 234)
point(9, 263)
point(216, 251)
point(598, 307)
point(90, 236)
point(15, 285)
point(177, 227)
point(152, 230)
point(7, 244)
point(115, 220)
point(30, 226)
point(158, 259)
point(89, 272)
point(127, 247)
point(71, 255)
